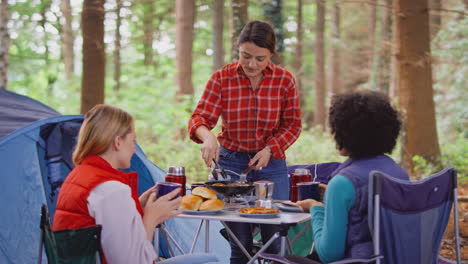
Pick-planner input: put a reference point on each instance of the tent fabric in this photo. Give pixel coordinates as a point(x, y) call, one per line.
point(321, 172)
point(26, 184)
point(17, 111)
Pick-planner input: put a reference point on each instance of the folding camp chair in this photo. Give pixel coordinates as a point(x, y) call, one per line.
point(408, 219)
point(77, 246)
point(413, 216)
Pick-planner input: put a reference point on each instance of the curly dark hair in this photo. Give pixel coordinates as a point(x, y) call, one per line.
point(364, 123)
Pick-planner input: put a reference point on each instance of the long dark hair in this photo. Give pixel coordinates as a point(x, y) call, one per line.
point(259, 33)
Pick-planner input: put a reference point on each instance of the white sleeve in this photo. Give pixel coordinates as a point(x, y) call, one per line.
point(123, 235)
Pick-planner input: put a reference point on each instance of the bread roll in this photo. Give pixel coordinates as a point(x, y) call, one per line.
point(211, 205)
point(191, 202)
point(204, 193)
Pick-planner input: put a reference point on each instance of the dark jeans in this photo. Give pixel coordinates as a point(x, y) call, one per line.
point(276, 171)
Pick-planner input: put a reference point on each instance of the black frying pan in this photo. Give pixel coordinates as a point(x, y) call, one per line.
point(231, 188)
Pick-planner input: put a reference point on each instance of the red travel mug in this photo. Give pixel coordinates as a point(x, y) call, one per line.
point(299, 175)
point(177, 174)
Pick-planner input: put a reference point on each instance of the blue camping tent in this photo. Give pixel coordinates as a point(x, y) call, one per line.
point(35, 159)
point(17, 111)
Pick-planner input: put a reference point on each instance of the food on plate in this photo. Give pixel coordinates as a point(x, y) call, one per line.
point(201, 199)
point(219, 184)
point(258, 210)
point(204, 192)
point(191, 202)
point(212, 205)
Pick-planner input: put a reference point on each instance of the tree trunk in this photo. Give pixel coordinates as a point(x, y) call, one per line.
point(320, 88)
point(272, 10)
point(67, 36)
point(185, 18)
point(335, 52)
point(45, 5)
point(298, 57)
point(148, 31)
point(218, 26)
point(4, 43)
point(372, 26)
point(393, 89)
point(415, 93)
point(117, 46)
point(239, 19)
point(383, 59)
point(94, 59)
point(435, 16)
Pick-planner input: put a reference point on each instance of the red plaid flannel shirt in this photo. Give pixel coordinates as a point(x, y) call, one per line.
point(251, 119)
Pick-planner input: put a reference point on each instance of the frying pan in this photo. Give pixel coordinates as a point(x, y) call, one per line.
point(231, 188)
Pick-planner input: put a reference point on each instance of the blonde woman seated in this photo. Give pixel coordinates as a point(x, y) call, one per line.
point(96, 192)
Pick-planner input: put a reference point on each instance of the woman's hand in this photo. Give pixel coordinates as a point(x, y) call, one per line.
point(262, 158)
point(210, 148)
point(158, 211)
point(144, 196)
point(306, 205)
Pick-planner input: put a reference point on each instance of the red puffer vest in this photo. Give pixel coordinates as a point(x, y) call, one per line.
point(72, 206)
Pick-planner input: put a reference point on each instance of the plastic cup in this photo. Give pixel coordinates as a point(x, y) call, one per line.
point(164, 188)
point(308, 190)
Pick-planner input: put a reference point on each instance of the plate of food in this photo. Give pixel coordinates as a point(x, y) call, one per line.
point(259, 212)
point(202, 201)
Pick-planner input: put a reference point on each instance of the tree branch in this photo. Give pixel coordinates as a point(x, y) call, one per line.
point(460, 12)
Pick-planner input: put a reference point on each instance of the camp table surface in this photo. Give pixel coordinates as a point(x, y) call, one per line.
point(284, 219)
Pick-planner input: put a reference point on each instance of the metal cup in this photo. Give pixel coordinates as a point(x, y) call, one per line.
point(163, 188)
point(264, 193)
point(308, 190)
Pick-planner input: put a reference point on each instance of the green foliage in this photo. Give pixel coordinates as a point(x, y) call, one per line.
point(313, 146)
point(450, 70)
point(454, 154)
point(423, 166)
point(451, 50)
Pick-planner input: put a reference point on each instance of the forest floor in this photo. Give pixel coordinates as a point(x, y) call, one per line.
point(448, 243)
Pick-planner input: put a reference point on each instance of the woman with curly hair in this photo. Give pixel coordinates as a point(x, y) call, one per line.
point(365, 126)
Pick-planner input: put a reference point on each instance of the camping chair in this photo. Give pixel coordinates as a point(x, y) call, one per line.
point(77, 246)
point(408, 219)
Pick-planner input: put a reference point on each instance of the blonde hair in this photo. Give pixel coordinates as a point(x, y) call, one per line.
point(100, 127)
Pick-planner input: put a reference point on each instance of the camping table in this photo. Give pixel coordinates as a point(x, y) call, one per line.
point(284, 220)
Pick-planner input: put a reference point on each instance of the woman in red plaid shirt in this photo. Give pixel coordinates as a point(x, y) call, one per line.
point(259, 107)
